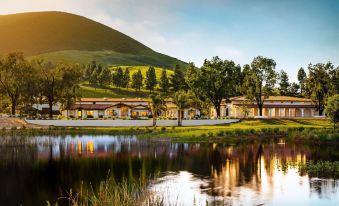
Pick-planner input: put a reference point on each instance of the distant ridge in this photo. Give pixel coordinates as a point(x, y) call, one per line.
point(60, 36)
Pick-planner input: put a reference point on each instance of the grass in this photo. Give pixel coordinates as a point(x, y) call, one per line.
point(303, 130)
point(109, 192)
point(321, 169)
point(81, 40)
point(88, 90)
point(113, 58)
point(143, 70)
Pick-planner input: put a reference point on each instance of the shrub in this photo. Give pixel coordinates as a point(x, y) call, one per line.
point(221, 133)
point(163, 129)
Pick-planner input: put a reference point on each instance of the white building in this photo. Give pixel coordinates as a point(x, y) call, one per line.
point(274, 107)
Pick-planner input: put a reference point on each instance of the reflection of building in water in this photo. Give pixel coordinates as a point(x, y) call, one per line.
point(259, 169)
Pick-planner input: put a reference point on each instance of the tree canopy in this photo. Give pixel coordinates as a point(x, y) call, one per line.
point(259, 80)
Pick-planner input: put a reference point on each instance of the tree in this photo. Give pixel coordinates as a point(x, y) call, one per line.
point(335, 79)
point(151, 79)
point(259, 80)
point(93, 80)
point(118, 76)
point(283, 83)
point(177, 79)
point(137, 80)
point(301, 78)
point(293, 90)
point(214, 81)
point(104, 77)
point(57, 82)
point(244, 108)
point(332, 109)
point(14, 73)
point(89, 70)
point(158, 104)
point(126, 78)
point(182, 100)
point(319, 84)
point(164, 83)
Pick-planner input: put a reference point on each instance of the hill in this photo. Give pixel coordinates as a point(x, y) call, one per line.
point(61, 36)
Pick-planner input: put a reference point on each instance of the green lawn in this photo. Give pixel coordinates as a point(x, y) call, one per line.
point(282, 124)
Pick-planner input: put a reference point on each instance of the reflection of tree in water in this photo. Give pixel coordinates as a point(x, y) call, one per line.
point(29, 174)
point(250, 165)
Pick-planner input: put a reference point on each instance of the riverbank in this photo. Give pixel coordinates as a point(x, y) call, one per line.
point(314, 130)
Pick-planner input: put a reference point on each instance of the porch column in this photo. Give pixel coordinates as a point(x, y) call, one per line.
point(129, 112)
point(302, 112)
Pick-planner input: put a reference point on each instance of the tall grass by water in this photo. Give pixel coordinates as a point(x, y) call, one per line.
point(110, 192)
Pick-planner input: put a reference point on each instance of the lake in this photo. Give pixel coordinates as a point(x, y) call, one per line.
point(36, 169)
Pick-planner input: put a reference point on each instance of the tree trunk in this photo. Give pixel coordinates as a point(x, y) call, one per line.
point(13, 108)
point(260, 110)
point(154, 121)
point(217, 110)
point(50, 103)
point(179, 117)
point(321, 110)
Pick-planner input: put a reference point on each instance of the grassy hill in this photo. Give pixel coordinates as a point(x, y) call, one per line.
point(143, 70)
point(110, 91)
point(60, 36)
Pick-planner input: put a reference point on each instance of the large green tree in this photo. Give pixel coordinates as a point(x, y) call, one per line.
point(118, 77)
point(58, 82)
point(319, 84)
point(214, 81)
point(332, 109)
point(284, 83)
point(293, 90)
point(151, 79)
point(157, 105)
point(15, 73)
point(260, 80)
point(164, 82)
point(182, 101)
point(177, 79)
point(104, 78)
point(137, 80)
point(126, 78)
point(301, 78)
point(335, 79)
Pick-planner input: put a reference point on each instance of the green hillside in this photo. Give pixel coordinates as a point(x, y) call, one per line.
point(143, 70)
point(110, 91)
point(61, 36)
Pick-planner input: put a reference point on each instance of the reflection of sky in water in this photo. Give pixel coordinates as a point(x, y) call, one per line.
point(183, 188)
point(248, 175)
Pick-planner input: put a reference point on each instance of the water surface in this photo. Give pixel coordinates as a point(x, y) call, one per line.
point(36, 169)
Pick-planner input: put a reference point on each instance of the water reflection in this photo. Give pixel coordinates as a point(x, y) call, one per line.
point(43, 167)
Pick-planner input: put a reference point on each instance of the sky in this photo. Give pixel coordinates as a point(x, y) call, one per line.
point(292, 32)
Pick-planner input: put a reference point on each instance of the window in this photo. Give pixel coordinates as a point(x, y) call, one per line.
point(90, 114)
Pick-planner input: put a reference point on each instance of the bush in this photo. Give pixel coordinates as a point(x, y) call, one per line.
point(221, 133)
point(163, 129)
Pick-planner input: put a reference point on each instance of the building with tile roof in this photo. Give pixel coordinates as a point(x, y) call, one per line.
point(274, 107)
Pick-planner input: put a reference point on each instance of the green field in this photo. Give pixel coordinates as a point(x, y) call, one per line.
point(112, 58)
point(87, 90)
point(144, 69)
point(282, 124)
